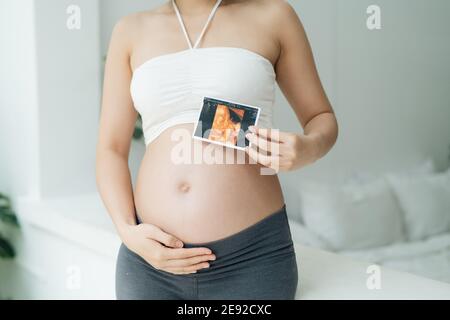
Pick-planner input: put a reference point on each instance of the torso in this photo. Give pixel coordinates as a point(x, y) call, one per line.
point(202, 202)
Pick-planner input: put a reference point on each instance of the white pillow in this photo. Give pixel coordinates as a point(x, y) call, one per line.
point(303, 235)
point(353, 216)
point(423, 168)
point(425, 201)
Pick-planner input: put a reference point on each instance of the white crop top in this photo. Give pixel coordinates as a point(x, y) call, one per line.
point(168, 89)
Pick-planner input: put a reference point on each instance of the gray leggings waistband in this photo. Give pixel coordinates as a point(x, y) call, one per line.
point(258, 262)
point(269, 237)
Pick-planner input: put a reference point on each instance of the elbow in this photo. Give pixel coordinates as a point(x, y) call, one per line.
point(100, 163)
point(329, 135)
point(336, 129)
point(332, 131)
point(106, 153)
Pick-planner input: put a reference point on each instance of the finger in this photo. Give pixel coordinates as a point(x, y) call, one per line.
point(263, 144)
point(266, 133)
point(271, 134)
point(184, 253)
point(189, 261)
point(265, 160)
point(178, 272)
point(157, 234)
point(189, 269)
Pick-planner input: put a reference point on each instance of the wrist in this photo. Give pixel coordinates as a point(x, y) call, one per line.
point(123, 230)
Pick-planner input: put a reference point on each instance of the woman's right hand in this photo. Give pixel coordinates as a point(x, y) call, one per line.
point(163, 251)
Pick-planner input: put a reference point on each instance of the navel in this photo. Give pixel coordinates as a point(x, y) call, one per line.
point(184, 187)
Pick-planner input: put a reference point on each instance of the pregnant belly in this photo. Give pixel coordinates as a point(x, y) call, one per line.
point(185, 193)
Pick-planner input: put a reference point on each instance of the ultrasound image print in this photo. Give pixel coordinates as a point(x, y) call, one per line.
point(225, 122)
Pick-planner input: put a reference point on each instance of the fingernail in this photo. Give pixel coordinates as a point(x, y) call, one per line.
point(248, 135)
point(213, 258)
point(179, 244)
point(206, 266)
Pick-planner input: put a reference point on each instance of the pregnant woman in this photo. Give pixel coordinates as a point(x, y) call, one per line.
point(198, 229)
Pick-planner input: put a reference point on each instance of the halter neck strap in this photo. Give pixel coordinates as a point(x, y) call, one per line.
point(183, 27)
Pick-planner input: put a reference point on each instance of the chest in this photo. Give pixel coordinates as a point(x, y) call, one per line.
point(237, 73)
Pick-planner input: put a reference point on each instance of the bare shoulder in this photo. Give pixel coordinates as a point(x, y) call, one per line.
point(275, 10)
point(277, 16)
point(130, 26)
point(284, 20)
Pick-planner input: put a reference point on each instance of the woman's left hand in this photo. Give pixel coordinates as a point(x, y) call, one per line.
point(281, 151)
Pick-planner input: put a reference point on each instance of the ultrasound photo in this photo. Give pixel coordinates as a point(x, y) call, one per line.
point(225, 122)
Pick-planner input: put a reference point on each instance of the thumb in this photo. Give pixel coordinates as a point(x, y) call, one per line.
point(167, 239)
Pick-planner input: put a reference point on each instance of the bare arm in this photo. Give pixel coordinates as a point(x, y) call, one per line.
point(299, 81)
point(118, 116)
point(117, 120)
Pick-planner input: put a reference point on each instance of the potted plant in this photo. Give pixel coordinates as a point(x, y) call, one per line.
point(7, 217)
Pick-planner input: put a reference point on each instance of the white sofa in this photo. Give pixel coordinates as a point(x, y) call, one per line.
point(398, 220)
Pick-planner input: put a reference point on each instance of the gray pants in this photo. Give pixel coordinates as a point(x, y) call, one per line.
point(258, 263)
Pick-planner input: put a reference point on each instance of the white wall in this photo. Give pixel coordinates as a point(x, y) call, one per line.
point(393, 84)
point(69, 64)
point(19, 159)
point(50, 84)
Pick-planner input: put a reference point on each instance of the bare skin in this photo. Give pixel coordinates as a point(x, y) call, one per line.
point(198, 203)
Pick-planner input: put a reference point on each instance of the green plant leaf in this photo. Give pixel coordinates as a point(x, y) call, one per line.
point(4, 201)
point(8, 216)
point(6, 249)
point(138, 133)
